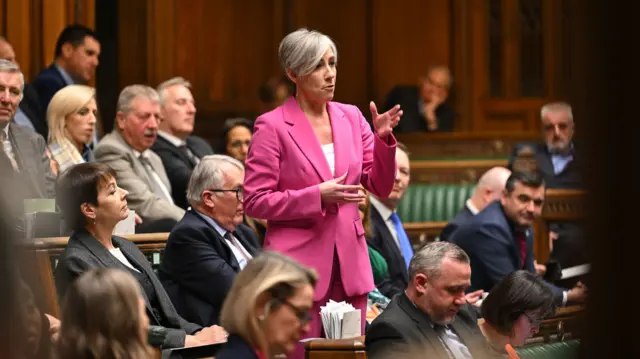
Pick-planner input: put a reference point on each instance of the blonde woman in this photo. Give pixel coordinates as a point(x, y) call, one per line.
point(268, 309)
point(118, 325)
point(71, 116)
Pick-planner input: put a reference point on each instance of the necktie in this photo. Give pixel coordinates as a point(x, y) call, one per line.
point(523, 247)
point(8, 151)
point(403, 239)
point(232, 239)
point(158, 187)
point(452, 342)
point(194, 160)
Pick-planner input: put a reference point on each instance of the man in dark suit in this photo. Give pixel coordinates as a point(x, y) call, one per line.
point(179, 150)
point(432, 318)
point(424, 106)
point(210, 245)
point(389, 237)
point(76, 59)
point(489, 188)
point(497, 238)
point(26, 166)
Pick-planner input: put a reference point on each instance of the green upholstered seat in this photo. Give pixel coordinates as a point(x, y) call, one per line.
point(433, 202)
point(560, 350)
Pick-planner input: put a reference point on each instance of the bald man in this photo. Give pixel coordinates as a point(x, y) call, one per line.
point(489, 189)
point(29, 114)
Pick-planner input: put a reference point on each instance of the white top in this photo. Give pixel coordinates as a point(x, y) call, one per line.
point(116, 252)
point(331, 157)
point(385, 213)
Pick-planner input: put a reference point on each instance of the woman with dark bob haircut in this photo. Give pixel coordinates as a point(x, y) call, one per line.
point(514, 308)
point(92, 204)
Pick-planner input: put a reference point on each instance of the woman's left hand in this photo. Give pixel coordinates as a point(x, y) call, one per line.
point(384, 124)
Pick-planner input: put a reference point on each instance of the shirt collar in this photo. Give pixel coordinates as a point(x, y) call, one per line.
point(172, 139)
point(65, 75)
point(145, 153)
point(473, 209)
point(221, 231)
point(384, 211)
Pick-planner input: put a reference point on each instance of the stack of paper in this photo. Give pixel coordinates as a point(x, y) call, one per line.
point(340, 320)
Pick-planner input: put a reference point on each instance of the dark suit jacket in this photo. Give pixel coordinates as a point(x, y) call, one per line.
point(236, 348)
point(408, 97)
point(179, 166)
point(382, 241)
point(46, 84)
point(569, 178)
point(84, 252)
point(489, 240)
point(30, 105)
point(461, 218)
point(35, 179)
point(198, 267)
point(402, 331)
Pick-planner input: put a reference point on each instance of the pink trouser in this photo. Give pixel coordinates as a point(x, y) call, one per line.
point(335, 292)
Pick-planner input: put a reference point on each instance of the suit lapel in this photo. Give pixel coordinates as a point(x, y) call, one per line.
point(162, 142)
point(388, 245)
point(138, 166)
point(424, 325)
point(544, 161)
point(230, 258)
point(341, 131)
point(302, 134)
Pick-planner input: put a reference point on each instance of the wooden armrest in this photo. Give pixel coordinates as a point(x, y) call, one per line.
point(336, 344)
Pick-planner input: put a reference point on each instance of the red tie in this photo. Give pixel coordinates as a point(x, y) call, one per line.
point(523, 248)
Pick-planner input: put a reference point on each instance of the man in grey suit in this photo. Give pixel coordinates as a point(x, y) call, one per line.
point(24, 163)
point(140, 171)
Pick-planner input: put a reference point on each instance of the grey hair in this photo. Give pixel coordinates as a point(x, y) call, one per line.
point(208, 174)
point(555, 107)
point(428, 259)
point(302, 50)
point(10, 67)
point(129, 93)
point(175, 81)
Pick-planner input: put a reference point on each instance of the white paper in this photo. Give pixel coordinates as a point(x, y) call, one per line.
point(351, 326)
point(127, 225)
point(335, 326)
point(575, 271)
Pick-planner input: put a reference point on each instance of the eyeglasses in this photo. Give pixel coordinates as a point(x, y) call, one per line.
point(239, 192)
point(239, 143)
point(534, 322)
point(303, 314)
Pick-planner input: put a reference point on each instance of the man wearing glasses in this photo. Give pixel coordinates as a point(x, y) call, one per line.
point(210, 245)
point(424, 106)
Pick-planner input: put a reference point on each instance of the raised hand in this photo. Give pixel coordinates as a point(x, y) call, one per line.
point(335, 191)
point(384, 124)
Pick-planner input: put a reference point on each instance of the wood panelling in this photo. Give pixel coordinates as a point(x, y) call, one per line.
point(32, 27)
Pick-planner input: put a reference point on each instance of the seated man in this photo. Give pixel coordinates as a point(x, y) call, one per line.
point(210, 245)
point(496, 239)
point(24, 163)
point(179, 150)
point(432, 318)
point(489, 188)
point(140, 171)
point(424, 106)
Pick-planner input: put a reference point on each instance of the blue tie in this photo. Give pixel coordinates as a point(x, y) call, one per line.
point(403, 240)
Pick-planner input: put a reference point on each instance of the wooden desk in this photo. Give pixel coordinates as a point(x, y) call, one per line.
point(336, 349)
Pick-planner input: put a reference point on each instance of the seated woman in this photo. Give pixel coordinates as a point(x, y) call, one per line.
point(513, 309)
point(92, 204)
point(71, 116)
point(118, 326)
point(268, 308)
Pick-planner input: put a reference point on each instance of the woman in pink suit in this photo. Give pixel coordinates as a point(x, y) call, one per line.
point(306, 161)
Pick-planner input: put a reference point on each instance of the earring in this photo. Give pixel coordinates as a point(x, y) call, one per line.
point(94, 221)
point(261, 318)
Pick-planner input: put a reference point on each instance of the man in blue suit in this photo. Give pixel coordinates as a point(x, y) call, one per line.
point(497, 240)
point(76, 59)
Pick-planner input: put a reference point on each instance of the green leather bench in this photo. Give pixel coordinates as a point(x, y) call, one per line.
point(558, 350)
point(433, 202)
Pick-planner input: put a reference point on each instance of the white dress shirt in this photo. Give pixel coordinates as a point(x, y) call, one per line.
point(385, 213)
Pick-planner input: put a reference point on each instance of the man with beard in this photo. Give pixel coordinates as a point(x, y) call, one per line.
point(496, 241)
point(432, 318)
point(127, 149)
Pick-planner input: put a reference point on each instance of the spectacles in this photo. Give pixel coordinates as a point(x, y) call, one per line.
point(535, 322)
point(303, 314)
point(239, 143)
point(239, 192)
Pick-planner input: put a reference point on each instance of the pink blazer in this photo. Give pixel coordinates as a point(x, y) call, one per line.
point(283, 170)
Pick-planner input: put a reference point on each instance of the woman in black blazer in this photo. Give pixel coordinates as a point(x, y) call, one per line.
point(92, 205)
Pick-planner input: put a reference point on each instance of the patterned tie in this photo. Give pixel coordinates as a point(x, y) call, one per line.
point(452, 342)
point(8, 151)
point(232, 239)
point(522, 241)
point(187, 152)
point(403, 239)
point(158, 187)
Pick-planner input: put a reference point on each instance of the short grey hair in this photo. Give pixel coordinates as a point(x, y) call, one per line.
point(9, 67)
point(302, 50)
point(555, 107)
point(428, 260)
point(175, 81)
point(208, 174)
point(129, 93)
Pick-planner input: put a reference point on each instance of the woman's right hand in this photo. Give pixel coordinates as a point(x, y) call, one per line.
point(336, 192)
